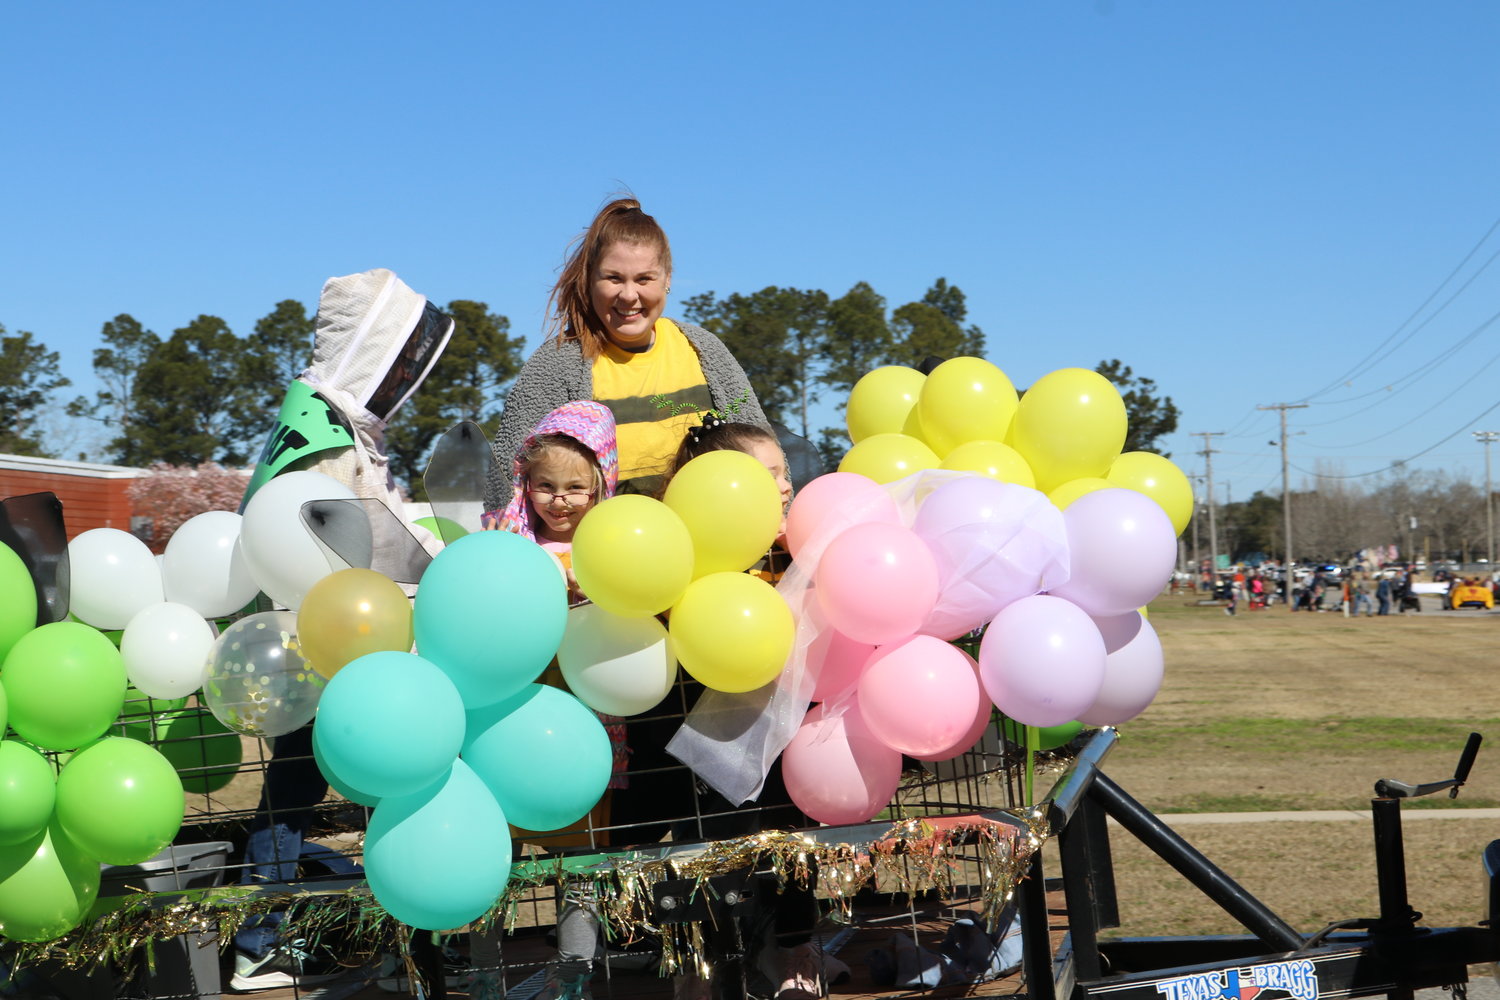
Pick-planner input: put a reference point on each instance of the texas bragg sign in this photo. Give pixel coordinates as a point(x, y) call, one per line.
point(1272, 981)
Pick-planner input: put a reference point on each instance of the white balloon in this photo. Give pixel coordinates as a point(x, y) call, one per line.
point(616, 665)
point(165, 648)
point(282, 554)
point(204, 568)
point(113, 576)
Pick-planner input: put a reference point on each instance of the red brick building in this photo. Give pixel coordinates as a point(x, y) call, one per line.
point(92, 495)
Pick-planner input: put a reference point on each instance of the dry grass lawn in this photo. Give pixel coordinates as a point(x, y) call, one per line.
point(1278, 711)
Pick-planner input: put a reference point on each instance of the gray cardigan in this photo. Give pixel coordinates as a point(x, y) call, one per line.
point(557, 373)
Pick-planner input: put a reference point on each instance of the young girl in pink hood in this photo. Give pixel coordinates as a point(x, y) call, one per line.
point(564, 467)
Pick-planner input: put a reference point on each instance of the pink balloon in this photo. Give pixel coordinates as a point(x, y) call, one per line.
point(837, 498)
point(876, 582)
point(835, 770)
point(994, 543)
point(983, 716)
point(836, 663)
point(919, 696)
point(1132, 676)
point(1042, 661)
point(1123, 551)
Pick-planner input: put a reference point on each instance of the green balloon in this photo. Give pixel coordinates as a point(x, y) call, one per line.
point(120, 800)
point(4, 709)
point(47, 885)
point(142, 706)
point(28, 790)
point(1047, 737)
point(447, 530)
point(65, 683)
point(17, 601)
point(205, 753)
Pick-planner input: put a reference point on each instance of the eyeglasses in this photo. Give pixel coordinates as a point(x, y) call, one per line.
point(571, 499)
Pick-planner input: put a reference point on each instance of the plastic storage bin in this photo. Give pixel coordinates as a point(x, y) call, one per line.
point(187, 965)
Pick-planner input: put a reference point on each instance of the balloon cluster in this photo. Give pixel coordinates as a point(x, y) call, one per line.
point(636, 557)
point(114, 800)
point(961, 507)
point(454, 743)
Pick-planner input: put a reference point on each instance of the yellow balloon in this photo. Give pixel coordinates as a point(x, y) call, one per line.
point(350, 613)
point(1064, 494)
point(732, 631)
point(1070, 424)
point(732, 509)
point(886, 458)
point(881, 399)
point(1160, 479)
point(993, 459)
point(913, 426)
point(632, 556)
point(965, 399)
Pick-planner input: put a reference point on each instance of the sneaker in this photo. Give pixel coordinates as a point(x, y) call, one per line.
point(393, 977)
point(283, 966)
point(794, 973)
point(484, 986)
point(561, 985)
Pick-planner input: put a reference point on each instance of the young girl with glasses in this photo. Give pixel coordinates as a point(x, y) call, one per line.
point(562, 470)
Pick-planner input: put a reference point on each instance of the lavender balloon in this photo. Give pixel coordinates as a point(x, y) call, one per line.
point(1042, 661)
point(994, 543)
point(1122, 549)
point(1132, 676)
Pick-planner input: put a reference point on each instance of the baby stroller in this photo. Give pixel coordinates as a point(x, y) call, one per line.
point(1409, 601)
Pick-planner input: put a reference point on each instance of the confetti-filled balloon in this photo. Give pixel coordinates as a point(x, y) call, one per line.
point(258, 683)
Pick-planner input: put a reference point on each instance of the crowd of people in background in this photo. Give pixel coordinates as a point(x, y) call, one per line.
point(1359, 590)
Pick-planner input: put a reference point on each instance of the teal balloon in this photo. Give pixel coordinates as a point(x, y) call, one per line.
point(345, 789)
point(120, 800)
point(543, 754)
point(65, 683)
point(47, 884)
point(28, 791)
point(389, 723)
point(18, 604)
point(439, 858)
point(491, 612)
point(1047, 737)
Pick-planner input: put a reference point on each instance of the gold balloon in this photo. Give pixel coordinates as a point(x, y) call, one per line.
point(881, 400)
point(632, 556)
point(1070, 424)
point(1160, 479)
point(350, 613)
point(886, 458)
point(731, 507)
point(732, 631)
point(993, 459)
point(965, 399)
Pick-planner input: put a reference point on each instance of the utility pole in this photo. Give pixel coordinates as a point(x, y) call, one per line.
point(1213, 529)
point(1489, 504)
point(1286, 494)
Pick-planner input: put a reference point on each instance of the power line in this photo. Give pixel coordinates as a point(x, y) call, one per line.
point(1364, 364)
point(1410, 458)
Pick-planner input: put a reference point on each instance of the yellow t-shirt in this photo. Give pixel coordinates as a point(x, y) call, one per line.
point(649, 435)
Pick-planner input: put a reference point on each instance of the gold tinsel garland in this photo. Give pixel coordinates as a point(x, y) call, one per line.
point(917, 854)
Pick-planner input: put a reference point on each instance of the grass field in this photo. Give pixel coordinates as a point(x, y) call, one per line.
point(1270, 710)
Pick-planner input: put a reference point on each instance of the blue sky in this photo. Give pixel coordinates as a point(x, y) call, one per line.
point(1244, 201)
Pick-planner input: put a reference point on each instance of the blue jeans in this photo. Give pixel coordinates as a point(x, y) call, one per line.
point(277, 841)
